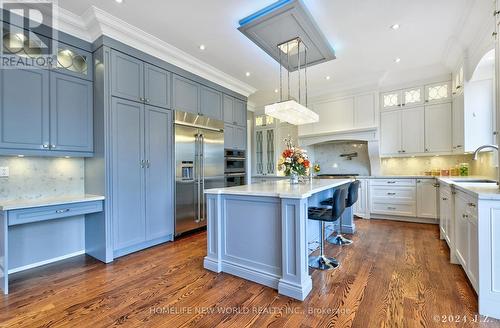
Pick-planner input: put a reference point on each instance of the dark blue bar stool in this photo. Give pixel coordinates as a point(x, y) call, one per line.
point(352, 198)
point(327, 214)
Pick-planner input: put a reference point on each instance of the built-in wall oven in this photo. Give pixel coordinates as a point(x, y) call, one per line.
point(234, 167)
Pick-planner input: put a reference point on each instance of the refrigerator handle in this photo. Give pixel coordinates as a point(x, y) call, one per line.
point(202, 180)
point(197, 165)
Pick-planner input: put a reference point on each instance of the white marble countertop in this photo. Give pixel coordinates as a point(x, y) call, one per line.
point(30, 203)
point(484, 191)
point(281, 188)
point(395, 177)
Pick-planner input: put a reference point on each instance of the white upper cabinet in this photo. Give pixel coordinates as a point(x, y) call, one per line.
point(413, 97)
point(390, 133)
point(412, 131)
point(343, 114)
point(390, 100)
point(438, 128)
point(438, 92)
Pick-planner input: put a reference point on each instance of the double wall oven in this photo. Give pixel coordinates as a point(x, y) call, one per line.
point(234, 167)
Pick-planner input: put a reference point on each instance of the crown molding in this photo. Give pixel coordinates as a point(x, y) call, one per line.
point(95, 22)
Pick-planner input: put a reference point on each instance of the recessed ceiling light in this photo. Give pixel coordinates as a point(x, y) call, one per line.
point(397, 60)
point(119, 1)
point(327, 77)
point(276, 90)
point(202, 47)
point(247, 73)
point(395, 27)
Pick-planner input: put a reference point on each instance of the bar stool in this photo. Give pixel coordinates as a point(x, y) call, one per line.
point(327, 214)
point(352, 198)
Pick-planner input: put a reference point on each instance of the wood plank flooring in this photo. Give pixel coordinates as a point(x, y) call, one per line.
point(396, 274)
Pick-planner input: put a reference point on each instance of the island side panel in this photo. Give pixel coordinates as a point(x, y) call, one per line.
point(251, 238)
point(213, 259)
point(296, 281)
point(4, 253)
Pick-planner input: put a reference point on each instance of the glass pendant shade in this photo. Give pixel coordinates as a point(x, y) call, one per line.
point(292, 112)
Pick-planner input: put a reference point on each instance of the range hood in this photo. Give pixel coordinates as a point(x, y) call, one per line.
point(281, 22)
point(369, 135)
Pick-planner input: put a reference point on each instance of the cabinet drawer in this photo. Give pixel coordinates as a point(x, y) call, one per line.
point(394, 209)
point(393, 182)
point(45, 213)
point(396, 193)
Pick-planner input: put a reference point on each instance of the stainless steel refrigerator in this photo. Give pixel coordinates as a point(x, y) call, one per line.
point(199, 165)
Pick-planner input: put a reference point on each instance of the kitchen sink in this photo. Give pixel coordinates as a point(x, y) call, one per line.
point(473, 181)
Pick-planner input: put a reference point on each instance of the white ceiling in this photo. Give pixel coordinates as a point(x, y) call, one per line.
point(358, 30)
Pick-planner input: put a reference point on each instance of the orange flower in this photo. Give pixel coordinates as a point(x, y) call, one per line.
point(306, 163)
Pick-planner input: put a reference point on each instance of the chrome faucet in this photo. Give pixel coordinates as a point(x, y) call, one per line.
point(476, 153)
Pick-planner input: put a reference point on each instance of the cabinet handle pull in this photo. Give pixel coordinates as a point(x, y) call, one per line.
point(148, 164)
point(391, 208)
point(142, 163)
point(391, 193)
point(436, 185)
point(472, 205)
point(496, 12)
point(62, 211)
point(391, 182)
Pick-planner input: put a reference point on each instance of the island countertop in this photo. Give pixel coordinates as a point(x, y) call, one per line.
point(282, 188)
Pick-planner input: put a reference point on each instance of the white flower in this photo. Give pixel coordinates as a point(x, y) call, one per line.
point(288, 160)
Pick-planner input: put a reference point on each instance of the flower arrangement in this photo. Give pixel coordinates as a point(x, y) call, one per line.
point(294, 160)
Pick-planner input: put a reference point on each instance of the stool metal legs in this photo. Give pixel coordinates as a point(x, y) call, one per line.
point(339, 239)
point(322, 262)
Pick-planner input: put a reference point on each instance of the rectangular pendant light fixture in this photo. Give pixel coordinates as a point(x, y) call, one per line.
point(292, 112)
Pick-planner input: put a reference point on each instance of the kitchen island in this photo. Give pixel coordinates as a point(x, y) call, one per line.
point(259, 232)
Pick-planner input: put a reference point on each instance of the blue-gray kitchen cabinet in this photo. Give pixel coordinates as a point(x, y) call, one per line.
point(71, 113)
point(240, 112)
point(234, 111)
point(74, 61)
point(234, 137)
point(156, 86)
point(24, 110)
point(138, 81)
point(142, 173)
point(211, 103)
point(127, 162)
point(127, 79)
point(159, 172)
point(185, 95)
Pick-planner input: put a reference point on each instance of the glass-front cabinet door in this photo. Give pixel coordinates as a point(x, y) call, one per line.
point(74, 61)
point(438, 92)
point(259, 152)
point(413, 97)
point(271, 165)
point(391, 100)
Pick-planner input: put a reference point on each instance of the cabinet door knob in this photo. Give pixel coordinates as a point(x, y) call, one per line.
point(148, 100)
point(444, 198)
point(52, 146)
point(45, 146)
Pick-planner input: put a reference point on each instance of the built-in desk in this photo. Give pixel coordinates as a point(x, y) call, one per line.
point(21, 212)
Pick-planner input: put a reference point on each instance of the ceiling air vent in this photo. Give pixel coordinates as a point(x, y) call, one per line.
point(281, 22)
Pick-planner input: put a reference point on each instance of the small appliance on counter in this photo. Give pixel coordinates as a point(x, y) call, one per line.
point(234, 167)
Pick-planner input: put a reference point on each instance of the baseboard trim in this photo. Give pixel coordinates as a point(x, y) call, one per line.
point(139, 247)
point(52, 260)
point(404, 219)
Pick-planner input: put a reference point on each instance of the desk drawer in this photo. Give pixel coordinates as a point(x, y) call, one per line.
point(394, 193)
point(393, 182)
point(44, 213)
point(394, 209)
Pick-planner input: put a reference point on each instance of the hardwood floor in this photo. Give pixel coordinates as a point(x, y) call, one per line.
point(395, 275)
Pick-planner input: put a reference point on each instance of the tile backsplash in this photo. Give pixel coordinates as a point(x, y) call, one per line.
point(40, 177)
point(484, 166)
point(327, 155)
